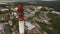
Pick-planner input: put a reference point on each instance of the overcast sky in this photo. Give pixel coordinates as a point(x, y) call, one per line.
point(27, 0)
point(39, 0)
point(48, 0)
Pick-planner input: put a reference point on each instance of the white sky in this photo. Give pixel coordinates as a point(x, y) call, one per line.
point(26, 0)
point(48, 0)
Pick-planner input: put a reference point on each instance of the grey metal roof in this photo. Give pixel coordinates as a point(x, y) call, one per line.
point(29, 25)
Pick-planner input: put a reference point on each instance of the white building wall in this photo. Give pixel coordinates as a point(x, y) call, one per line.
point(1, 27)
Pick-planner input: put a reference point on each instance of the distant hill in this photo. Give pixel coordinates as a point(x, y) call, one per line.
point(52, 4)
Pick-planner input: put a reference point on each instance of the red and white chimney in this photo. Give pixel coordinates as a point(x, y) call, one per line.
point(21, 19)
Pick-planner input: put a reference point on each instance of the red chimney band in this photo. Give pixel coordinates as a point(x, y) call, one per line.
point(20, 12)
